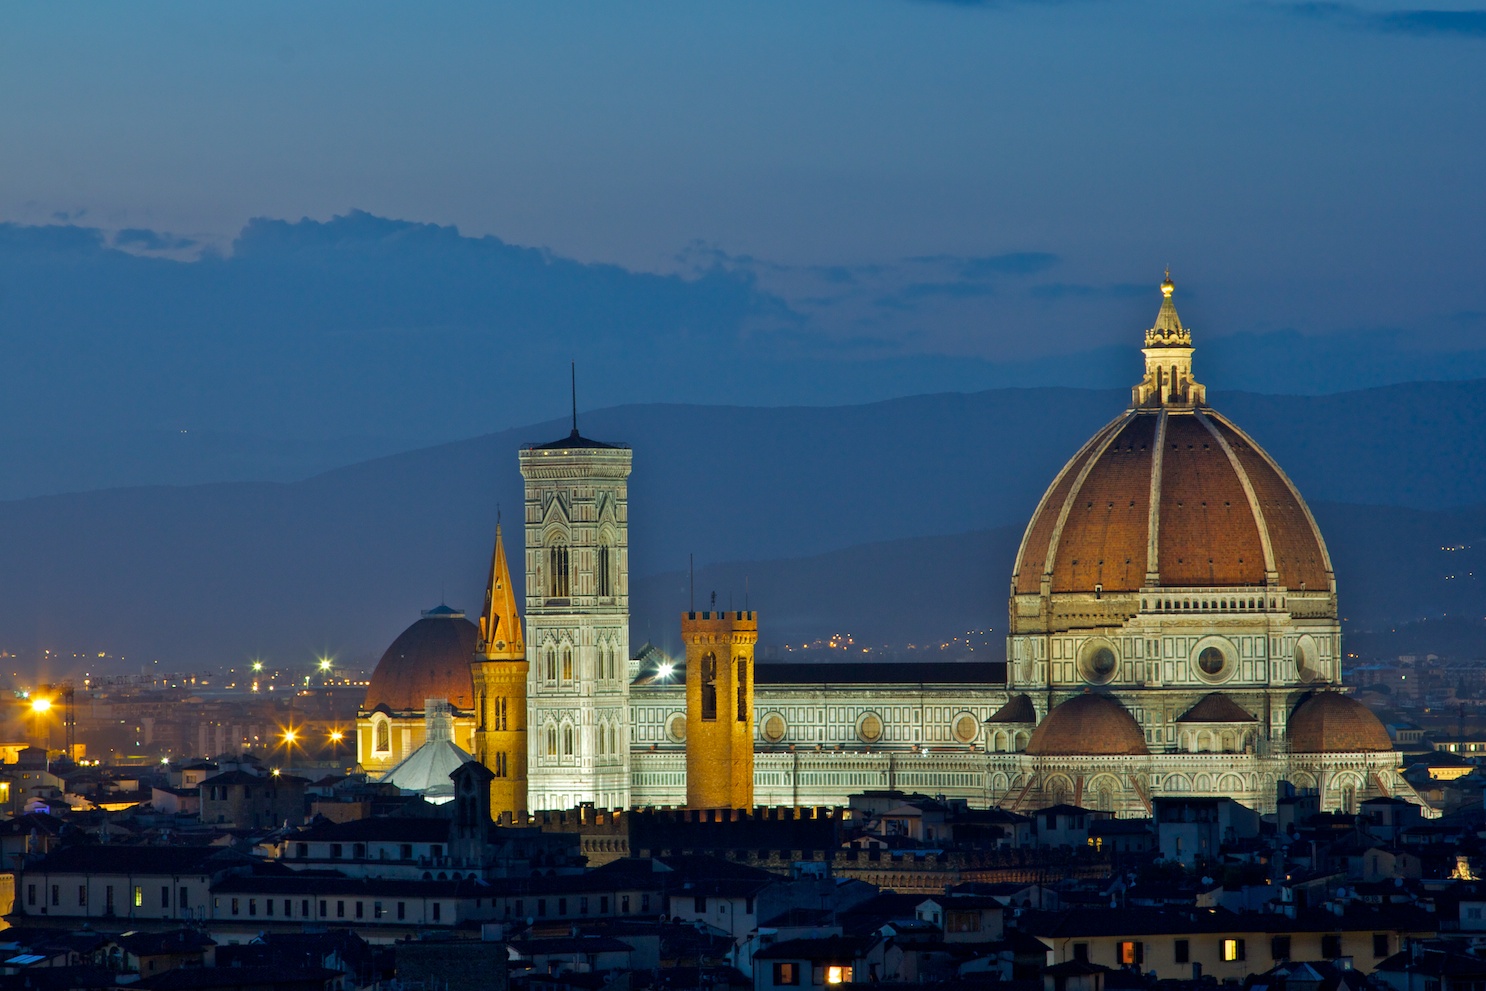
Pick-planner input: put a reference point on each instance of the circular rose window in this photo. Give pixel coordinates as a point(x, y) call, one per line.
point(1211, 661)
point(1098, 663)
point(676, 727)
point(966, 728)
point(869, 728)
point(773, 728)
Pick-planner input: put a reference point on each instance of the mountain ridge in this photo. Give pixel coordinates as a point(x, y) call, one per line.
point(344, 559)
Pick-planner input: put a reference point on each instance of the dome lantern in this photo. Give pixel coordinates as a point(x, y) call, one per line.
point(1168, 360)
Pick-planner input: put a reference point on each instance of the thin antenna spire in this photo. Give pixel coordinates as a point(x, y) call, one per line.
point(745, 593)
point(691, 577)
point(573, 371)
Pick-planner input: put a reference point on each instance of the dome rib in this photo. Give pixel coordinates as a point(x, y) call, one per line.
point(1040, 541)
point(1108, 511)
point(1300, 556)
point(1248, 487)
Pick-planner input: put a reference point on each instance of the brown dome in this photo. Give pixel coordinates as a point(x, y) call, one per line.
point(1170, 494)
point(1330, 723)
point(1209, 531)
point(1088, 725)
point(429, 660)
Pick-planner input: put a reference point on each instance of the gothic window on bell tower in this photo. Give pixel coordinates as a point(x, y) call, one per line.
point(567, 663)
point(558, 575)
point(709, 687)
point(606, 572)
point(550, 663)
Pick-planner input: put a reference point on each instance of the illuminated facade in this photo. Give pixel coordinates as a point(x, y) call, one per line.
point(577, 622)
point(1173, 631)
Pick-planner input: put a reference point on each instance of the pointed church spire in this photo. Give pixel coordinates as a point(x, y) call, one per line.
point(1168, 359)
point(500, 623)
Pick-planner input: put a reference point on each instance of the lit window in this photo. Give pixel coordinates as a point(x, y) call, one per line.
point(1233, 949)
point(838, 975)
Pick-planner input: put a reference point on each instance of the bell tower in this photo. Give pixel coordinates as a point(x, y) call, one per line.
point(577, 618)
point(499, 671)
point(719, 708)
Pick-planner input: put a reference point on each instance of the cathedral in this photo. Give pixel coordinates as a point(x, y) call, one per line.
point(1173, 631)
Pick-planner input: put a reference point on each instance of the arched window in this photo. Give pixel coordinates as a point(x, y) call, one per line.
point(551, 740)
point(606, 571)
point(567, 663)
point(551, 665)
point(557, 569)
point(567, 741)
point(709, 687)
point(498, 722)
point(742, 691)
point(382, 737)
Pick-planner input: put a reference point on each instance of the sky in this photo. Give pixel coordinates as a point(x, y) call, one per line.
point(839, 201)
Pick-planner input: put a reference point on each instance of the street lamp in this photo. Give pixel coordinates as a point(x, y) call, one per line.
point(40, 706)
point(289, 736)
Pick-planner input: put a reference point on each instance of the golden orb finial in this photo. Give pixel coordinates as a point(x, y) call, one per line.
point(1167, 286)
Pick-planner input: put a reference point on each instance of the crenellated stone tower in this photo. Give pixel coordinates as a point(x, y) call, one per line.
point(499, 672)
point(719, 708)
point(577, 616)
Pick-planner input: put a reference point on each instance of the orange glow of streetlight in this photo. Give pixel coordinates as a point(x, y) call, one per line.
point(41, 704)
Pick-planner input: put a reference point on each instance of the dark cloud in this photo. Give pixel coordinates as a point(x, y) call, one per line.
point(952, 290)
point(1464, 23)
point(1065, 290)
point(148, 240)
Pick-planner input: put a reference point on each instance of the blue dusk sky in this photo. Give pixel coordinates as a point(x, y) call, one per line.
point(401, 221)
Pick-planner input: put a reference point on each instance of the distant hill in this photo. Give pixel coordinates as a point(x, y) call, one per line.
point(840, 513)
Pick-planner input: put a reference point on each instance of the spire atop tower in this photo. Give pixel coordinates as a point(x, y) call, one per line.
point(500, 623)
point(573, 373)
point(1168, 359)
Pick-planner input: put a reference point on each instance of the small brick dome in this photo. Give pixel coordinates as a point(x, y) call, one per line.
point(1088, 725)
point(428, 660)
point(1331, 723)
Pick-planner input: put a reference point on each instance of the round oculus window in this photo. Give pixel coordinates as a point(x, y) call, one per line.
point(869, 728)
point(676, 727)
point(1306, 659)
point(966, 728)
point(773, 728)
point(1211, 661)
point(1099, 664)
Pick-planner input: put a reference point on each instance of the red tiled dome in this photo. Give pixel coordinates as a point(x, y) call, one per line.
point(1330, 723)
point(1218, 497)
point(428, 660)
point(1088, 725)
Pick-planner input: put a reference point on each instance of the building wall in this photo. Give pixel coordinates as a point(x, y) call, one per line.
point(113, 896)
point(406, 732)
point(267, 802)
